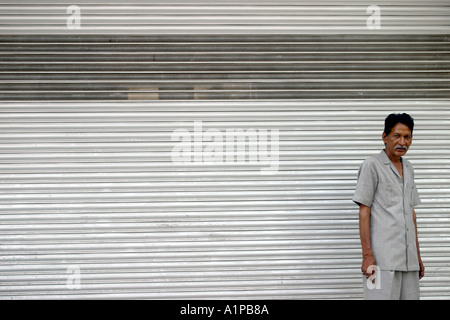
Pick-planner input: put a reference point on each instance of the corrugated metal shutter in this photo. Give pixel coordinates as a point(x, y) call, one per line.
point(224, 17)
point(89, 184)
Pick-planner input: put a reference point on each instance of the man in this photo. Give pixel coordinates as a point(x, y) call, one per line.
point(386, 194)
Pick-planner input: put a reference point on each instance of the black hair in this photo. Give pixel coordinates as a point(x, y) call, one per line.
point(395, 118)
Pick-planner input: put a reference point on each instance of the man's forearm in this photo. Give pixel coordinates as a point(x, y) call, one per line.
point(417, 237)
point(368, 261)
point(422, 268)
point(364, 230)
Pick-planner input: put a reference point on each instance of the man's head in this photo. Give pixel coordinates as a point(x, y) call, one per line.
point(397, 135)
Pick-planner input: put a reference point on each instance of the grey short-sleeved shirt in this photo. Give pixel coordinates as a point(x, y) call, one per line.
point(392, 200)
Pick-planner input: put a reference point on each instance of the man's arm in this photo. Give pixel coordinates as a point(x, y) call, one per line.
point(422, 268)
point(364, 232)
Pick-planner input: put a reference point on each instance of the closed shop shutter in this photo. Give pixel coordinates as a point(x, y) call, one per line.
point(112, 180)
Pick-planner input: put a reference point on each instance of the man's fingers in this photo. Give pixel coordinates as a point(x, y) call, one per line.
point(369, 272)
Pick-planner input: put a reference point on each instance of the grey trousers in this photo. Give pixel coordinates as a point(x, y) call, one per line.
point(392, 285)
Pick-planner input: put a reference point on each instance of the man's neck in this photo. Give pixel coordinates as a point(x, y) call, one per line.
point(393, 158)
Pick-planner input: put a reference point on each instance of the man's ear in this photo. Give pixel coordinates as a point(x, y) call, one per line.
point(384, 137)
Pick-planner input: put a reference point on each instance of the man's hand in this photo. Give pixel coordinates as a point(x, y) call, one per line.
point(422, 269)
point(368, 267)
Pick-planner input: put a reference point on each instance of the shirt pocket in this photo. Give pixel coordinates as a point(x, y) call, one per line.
point(391, 195)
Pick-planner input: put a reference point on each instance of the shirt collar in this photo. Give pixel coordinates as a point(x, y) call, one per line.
point(384, 157)
point(387, 161)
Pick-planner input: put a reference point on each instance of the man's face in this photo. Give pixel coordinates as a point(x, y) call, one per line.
point(398, 141)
